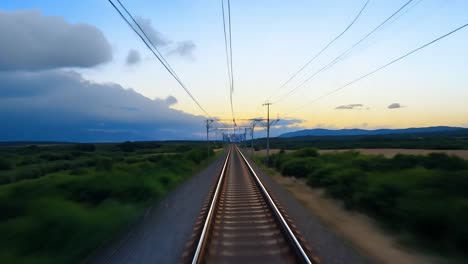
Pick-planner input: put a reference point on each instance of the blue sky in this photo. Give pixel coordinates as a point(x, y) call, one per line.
point(271, 40)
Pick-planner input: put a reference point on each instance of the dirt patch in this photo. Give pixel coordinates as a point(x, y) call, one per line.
point(361, 231)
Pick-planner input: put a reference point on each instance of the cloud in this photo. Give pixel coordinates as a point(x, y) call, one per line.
point(62, 105)
point(33, 41)
point(285, 126)
point(350, 107)
point(133, 57)
point(155, 36)
point(171, 100)
point(184, 49)
point(395, 106)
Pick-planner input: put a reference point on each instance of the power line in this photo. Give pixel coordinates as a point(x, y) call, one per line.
point(228, 47)
point(324, 48)
point(344, 53)
point(384, 66)
point(161, 58)
point(230, 44)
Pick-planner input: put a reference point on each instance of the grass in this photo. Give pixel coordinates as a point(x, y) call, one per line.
point(423, 197)
point(58, 203)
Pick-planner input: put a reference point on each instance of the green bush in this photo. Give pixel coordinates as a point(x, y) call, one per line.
point(306, 152)
point(298, 167)
point(197, 155)
point(127, 146)
point(444, 162)
point(85, 147)
point(422, 195)
point(69, 206)
point(104, 164)
point(5, 164)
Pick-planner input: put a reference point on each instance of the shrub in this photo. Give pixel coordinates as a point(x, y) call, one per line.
point(298, 167)
point(85, 147)
point(197, 155)
point(424, 196)
point(402, 161)
point(77, 171)
point(319, 176)
point(127, 146)
point(306, 152)
point(5, 164)
point(104, 164)
point(49, 156)
point(445, 162)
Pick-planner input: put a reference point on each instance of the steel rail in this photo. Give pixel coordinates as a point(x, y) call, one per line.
point(277, 212)
point(204, 235)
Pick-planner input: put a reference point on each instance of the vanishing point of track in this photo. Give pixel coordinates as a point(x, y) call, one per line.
point(242, 223)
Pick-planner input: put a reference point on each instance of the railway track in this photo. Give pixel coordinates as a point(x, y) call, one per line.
point(241, 222)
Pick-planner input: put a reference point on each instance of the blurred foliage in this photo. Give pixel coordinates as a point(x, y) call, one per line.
point(60, 202)
point(425, 196)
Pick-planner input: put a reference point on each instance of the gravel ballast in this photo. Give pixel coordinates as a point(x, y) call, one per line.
point(330, 248)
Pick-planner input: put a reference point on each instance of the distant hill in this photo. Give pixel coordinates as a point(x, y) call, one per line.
point(321, 132)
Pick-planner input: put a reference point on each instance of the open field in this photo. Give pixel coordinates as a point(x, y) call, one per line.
point(389, 153)
point(60, 202)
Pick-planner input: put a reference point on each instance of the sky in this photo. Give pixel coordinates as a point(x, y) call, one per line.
point(73, 70)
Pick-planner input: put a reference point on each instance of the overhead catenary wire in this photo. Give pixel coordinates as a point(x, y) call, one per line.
point(381, 67)
point(344, 53)
point(228, 46)
point(156, 53)
point(325, 47)
point(148, 38)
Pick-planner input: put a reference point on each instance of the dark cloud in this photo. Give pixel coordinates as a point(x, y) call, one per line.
point(155, 36)
point(350, 107)
point(171, 100)
point(133, 57)
point(394, 106)
point(60, 105)
point(184, 49)
point(33, 41)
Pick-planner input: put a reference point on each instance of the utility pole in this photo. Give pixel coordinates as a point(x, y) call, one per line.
point(245, 137)
point(268, 133)
point(254, 123)
point(208, 125)
point(268, 125)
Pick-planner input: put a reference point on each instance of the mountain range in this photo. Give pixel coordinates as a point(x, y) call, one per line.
point(321, 132)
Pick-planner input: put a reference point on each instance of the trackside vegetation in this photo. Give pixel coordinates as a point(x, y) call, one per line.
point(59, 203)
point(423, 198)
